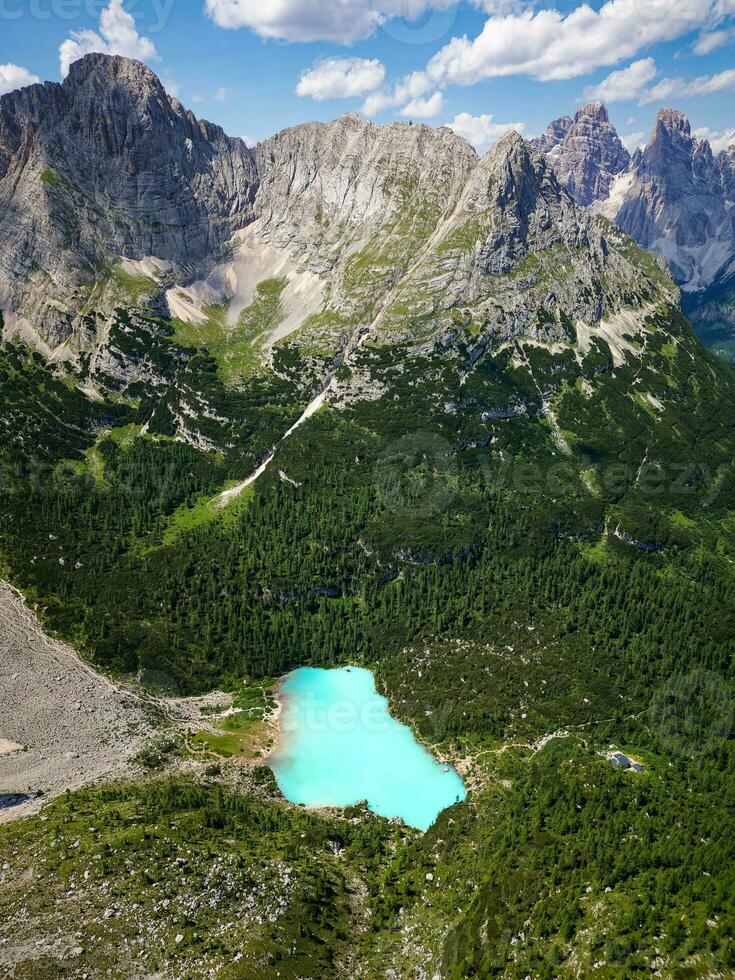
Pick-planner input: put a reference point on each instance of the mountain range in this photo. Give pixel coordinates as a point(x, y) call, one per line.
point(673, 197)
point(85, 165)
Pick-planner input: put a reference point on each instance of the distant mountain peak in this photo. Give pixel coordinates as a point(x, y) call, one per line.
point(586, 152)
point(672, 121)
point(594, 110)
point(726, 163)
point(555, 134)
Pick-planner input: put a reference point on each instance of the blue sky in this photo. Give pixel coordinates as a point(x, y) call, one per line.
point(256, 66)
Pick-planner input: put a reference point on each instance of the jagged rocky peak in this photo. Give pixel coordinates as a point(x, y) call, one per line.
point(675, 205)
point(596, 111)
point(323, 184)
point(521, 179)
point(521, 257)
point(726, 163)
point(586, 152)
point(555, 134)
point(105, 165)
point(676, 158)
point(681, 164)
point(670, 150)
point(525, 207)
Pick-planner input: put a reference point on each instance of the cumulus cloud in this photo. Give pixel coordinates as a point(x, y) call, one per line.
point(482, 131)
point(13, 77)
point(669, 88)
point(117, 35)
point(342, 22)
point(548, 44)
point(708, 42)
point(341, 78)
point(221, 94)
point(717, 140)
point(624, 85)
point(408, 89)
point(424, 108)
point(633, 141)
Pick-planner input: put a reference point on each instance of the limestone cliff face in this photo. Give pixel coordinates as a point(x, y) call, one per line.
point(102, 166)
point(356, 202)
point(387, 228)
point(726, 163)
point(675, 204)
point(320, 183)
point(586, 153)
point(519, 254)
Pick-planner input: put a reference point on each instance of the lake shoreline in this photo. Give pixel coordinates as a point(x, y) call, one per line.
point(338, 744)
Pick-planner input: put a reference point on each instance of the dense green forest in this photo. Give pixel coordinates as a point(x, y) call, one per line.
point(506, 571)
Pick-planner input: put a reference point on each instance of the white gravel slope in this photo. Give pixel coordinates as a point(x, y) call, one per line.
point(61, 724)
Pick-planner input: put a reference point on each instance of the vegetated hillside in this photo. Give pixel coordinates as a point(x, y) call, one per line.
point(515, 505)
point(541, 548)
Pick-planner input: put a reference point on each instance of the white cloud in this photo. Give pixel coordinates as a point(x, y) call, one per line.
point(718, 141)
point(13, 77)
point(409, 88)
point(481, 131)
point(118, 35)
point(341, 21)
point(708, 42)
point(548, 44)
point(624, 85)
point(197, 99)
point(221, 94)
point(377, 102)
point(248, 140)
point(424, 108)
point(669, 88)
point(341, 78)
point(633, 141)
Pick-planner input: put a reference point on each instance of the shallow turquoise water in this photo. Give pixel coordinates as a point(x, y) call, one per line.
point(339, 745)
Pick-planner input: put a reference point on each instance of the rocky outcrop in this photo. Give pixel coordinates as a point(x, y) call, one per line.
point(586, 153)
point(726, 163)
point(399, 224)
point(102, 166)
point(675, 205)
point(521, 256)
point(556, 133)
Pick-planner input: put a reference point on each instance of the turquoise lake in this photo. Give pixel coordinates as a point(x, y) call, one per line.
point(339, 745)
